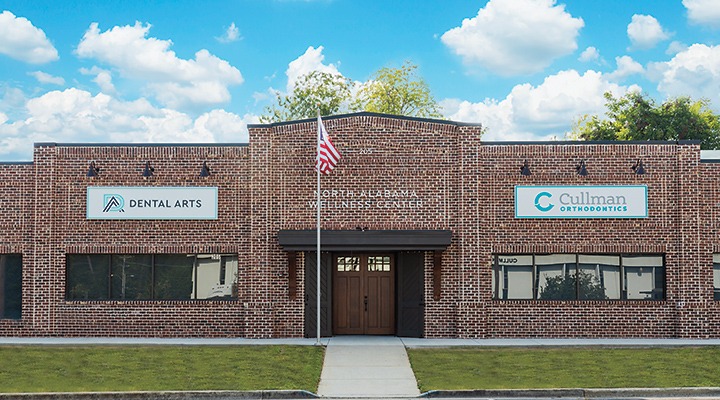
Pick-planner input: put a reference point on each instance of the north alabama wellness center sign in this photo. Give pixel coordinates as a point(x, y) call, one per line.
point(121, 202)
point(581, 201)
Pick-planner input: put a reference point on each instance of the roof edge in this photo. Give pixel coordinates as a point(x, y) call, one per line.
point(366, 114)
point(16, 163)
point(54, 144)
point(590, 142)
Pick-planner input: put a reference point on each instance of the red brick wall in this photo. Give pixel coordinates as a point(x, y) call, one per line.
point(469, 188)
point(16, 206)
point(672, 228)
point(464, 185)
point(709, 244)
point(378, 153)
point(60, 227)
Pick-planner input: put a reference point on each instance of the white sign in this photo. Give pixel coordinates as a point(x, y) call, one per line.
point(121, 202)
point(581, 201)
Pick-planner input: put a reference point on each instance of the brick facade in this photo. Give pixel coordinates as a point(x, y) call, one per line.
point(395, 174)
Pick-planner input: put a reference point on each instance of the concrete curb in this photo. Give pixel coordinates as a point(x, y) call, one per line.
point(578, 393)
point(169, 395)
point(433, 394)
point(654, 392)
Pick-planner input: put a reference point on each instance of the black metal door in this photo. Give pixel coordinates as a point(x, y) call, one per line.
point(311, 294)
point(411, 294)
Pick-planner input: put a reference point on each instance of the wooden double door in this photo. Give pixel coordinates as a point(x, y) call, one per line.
point(364, 294)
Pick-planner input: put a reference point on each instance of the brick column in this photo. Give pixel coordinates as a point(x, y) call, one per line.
point(258, 299)
point(692, 278)
point(471, 314)
point(41, 258)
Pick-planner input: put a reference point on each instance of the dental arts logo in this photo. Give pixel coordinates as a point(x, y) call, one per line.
point(540, 207)
point(581, 201)
point(113, 203)
point(167, 203)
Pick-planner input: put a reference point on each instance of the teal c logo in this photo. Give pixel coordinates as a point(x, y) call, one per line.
point(113, 203)
point(547, 205)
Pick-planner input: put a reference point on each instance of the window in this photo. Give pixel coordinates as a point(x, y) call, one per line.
point(599, 277)
point(513, 277)
point(151, 276)
point(10, 286)
point(555, 277)
point(644, 277)
point(348, 264)
point(579, 277)
point(378, 263)
point(716, 276)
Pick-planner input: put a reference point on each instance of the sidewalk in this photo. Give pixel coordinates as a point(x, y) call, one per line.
point(416, 342)
point(408, 342)
point(367, 366)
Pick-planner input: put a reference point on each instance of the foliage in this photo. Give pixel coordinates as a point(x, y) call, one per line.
point(637, 117)
point(316, 90)
point(563, 367)
point(397, 91)
point(563, 287)
point(159, 368)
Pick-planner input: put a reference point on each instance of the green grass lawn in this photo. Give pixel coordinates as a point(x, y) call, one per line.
point(514, 368)
point(151, 368)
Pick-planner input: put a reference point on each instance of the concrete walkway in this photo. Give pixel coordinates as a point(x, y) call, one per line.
point(367, 366)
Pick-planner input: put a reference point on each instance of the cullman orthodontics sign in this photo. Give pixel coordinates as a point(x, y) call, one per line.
point(581, 202)
point(121, 202)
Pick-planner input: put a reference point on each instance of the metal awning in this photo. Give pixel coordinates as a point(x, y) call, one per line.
point(365, 240)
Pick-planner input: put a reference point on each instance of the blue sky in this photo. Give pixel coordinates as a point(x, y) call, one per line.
point(166, 71)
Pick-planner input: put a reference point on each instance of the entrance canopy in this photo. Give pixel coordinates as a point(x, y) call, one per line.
point(365, 240)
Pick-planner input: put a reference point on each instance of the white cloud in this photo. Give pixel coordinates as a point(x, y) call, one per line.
point(104, 81)
point(675, 47)
point(176, 82)
point(589, 54)
point(103, 78)
point(224, 127)
point(703, 12)
point(311, 60)
point(22, 41)
point(505, 37)
point(538, 113)
point(626, 66)
point(44, 77)
point(75, 115)
point(232, 34)
point(694, 72)
point(645, 32)
point(263, 96)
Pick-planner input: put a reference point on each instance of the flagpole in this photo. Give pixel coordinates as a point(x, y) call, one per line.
point(318, 232)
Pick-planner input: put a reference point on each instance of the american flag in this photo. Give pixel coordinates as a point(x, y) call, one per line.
point(328, 156)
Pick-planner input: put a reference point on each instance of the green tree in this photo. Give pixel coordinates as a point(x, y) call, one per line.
point(397, 91)
point(637, 117)
point(317, 90)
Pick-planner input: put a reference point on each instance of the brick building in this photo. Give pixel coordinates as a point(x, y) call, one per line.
point(427, 231)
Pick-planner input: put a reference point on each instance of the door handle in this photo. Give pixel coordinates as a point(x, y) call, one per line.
point(366, 301)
